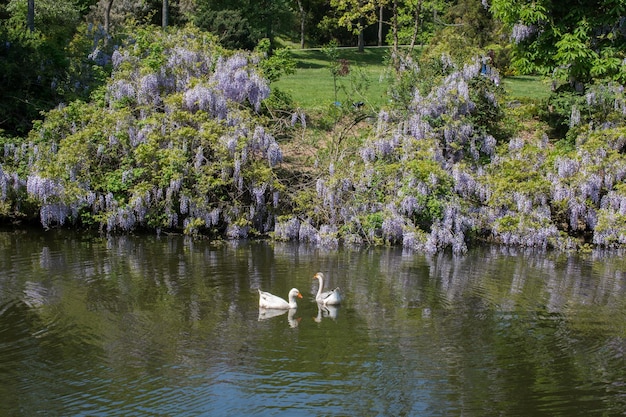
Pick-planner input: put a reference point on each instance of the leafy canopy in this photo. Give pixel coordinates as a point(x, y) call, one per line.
point(575, 41)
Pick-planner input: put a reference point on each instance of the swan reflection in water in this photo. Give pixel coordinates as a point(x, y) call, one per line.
point(326, 311)
point(268, 313)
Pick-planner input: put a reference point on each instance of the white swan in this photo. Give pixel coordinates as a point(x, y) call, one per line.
point(332, 297)
point(267, 300)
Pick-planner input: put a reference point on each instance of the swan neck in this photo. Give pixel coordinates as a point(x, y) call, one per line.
point(292, 301)
point(321, 287)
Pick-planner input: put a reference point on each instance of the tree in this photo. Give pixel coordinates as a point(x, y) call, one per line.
point(249, 21)
point(356, 15)
point(230, 26)
point(465, 31)
point(202, 106)
point(309, 13)
point(574, 41)
point(302, 22)
point(30, 16)
point(165, 14)
point(33, 64)
point(107, 16)
point(418, 19)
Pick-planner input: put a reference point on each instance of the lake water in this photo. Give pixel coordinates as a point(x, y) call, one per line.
point(147, 326)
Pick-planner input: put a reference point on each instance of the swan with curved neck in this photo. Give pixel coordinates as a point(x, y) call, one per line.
point(332, 297)
point(267, 300)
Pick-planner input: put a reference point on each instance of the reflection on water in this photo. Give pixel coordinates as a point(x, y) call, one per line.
point(326, 311)
point(169, 326)
point(268, 313)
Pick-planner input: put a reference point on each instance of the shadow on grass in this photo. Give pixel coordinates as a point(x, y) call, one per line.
point(316, 58)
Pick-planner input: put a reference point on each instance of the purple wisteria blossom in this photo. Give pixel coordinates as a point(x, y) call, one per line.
point(523, 32)
point(235, 231)
point(566, 167)
point(328, 237)
point(117, 58)
point(411, 205)
point(574, 117)
point(393, 228)
point(183, 58)
point(56, 213)
point(308, 233)
point(298, 116)
point(203, 98)
point(259, 194)
point(287, 230)
point(9, 182)
point(43, 188)
point(122, 89)
point(148, 92)
point(237, 82)
point(264, 143)
point(614, 201)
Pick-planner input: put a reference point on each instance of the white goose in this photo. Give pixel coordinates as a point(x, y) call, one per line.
point(332, 297)
point(267, 300)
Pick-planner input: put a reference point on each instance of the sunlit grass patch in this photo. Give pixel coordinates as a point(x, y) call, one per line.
point(312, 86)
point(527, 87)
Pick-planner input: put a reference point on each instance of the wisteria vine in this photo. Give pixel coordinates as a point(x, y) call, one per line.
point(177, 145)
point(432, 178)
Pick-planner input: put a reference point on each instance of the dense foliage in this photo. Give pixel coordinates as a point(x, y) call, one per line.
point(578, 42)
point(411, 180)
point(242, 24)
point(451, 169)
point(173, 141)
point(33, 65)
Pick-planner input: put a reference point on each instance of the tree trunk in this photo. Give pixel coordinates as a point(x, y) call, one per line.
point(418, 10)
point(30, 17)
point(166, 16)
point(396, 51)
point(361, 42)
point(302, 23)
point(107, 17)
point(380, 26)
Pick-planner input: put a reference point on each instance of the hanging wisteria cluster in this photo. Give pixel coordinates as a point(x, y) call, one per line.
point(522, 32)
point(10, 183)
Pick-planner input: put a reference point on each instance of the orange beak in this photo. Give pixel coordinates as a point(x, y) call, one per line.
point(299, 295)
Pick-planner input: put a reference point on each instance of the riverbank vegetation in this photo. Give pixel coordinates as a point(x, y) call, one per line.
point(166, 130)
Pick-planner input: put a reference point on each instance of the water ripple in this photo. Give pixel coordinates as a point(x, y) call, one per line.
point(134, 327)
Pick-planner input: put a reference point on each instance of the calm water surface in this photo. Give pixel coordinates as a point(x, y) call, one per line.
point(143, 326)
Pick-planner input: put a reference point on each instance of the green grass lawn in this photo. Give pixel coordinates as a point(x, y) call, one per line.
point(526, 86)
point(312, 87)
